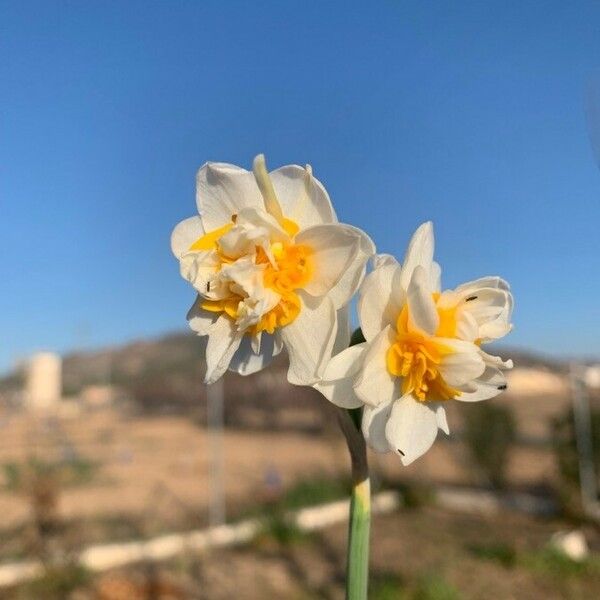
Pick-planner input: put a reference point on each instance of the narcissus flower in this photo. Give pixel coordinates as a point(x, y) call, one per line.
point(272, 268)
point(423, 348)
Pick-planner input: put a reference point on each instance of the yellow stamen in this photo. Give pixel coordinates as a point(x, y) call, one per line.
point(416, 358)
point(448, 320)
point(209, 240)
point(229, 306)
point(293, 268)
point(290, 227)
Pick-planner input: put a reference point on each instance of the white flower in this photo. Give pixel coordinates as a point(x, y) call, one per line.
point(423, 348)
point(272, 267)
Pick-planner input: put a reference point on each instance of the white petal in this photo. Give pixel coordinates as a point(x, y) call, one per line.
point(374, 421)
point(345, 364)
point(490, 307)
point(335, 248)
point(488, 385)
point(255, 342)
point(422, 313)
point(342, 336)
point(277, 343)
point(435, 277)
point(380, 297)
point(199, 319)
point(486, 304)
point(374, 383)
point(252, 228)
point(420, 252)
point(302, 197)
point(483, 282)
point(353, 276)
point(185, 234)
point(440, 415)
point(494, 330)
point(466, 327)
point(223, 341)
point(496, 361)
point(222, 190)
point(338, 377)
point(501, 326)
point(309, 340)
point(463, 365)
point(383, 260)
point(246, 360)
point(411, 428)
point(198, 268)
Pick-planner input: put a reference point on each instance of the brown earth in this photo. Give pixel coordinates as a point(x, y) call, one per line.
point(417, 554)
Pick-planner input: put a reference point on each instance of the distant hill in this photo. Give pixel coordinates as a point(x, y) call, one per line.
point(179, 356)
point(165, 374)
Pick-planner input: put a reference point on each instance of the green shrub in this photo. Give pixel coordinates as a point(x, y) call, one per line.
point(550, 561)
point(386, 586)
point(308, 492)
point(12, 476)
point(565, 444)
point(435, 588)
point(57, 583)
point(72, 472)
point(283, 530)
point(489, 433)
point(501, 553)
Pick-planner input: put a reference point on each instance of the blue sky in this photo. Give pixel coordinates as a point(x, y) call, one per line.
point(470, 114)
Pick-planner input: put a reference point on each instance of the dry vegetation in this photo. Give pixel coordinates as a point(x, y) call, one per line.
point(142, 467)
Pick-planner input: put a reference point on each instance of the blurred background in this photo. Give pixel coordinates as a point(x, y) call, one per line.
point(114, 458)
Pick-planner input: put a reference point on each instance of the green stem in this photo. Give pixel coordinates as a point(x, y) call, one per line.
point(357, 564)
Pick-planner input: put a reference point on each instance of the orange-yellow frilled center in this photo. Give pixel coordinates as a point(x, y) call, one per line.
point(293, 268)
point(417, 357)
point(287, 268)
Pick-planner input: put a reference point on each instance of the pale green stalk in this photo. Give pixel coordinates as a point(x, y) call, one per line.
point(357, 563)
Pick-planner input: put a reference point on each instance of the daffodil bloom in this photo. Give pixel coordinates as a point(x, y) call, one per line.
point(272, 268)
point(423, 348)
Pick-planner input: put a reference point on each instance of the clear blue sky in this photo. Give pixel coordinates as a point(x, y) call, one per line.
point(470, 114)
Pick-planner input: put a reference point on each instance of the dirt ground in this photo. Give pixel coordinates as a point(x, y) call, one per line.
point(144, 465)
point(417, 554)
point(147, 475)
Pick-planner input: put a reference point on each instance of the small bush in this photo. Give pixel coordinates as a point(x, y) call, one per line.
point(386, 586)
point(281, 529)
point(489, 433)
point(12, 476)
point(319, 490)
point(500, 553)
point(416, 494)
point(565, 444)
point(57, 583)
point(72, 472)
point(435, 588)
point(550, 561)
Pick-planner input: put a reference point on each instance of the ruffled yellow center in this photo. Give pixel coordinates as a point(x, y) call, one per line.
point(290, 268)
point(417, 357)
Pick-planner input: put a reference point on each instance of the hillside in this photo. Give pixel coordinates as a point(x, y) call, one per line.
point(165, 375)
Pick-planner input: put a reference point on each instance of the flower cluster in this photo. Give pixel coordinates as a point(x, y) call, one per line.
point(273, 267)
point(422, 349)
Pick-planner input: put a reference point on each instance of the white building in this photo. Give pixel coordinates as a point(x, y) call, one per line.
point(592, 377)
point(43, 382)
